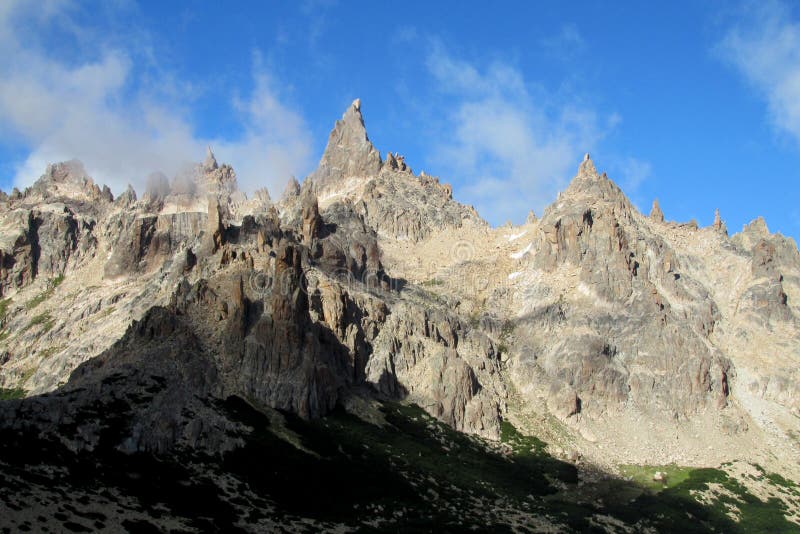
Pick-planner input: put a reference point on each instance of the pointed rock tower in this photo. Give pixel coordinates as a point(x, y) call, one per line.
point(719, 224)
point(655, 213)
point(210, 162)
point(292, 188)
point(589, 184)
point(349, 154)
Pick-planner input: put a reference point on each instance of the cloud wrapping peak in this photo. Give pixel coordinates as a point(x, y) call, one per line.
point(95, 107)
point(765, 47)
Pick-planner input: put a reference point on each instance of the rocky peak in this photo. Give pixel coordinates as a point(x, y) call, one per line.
point(193, 186)
point(588, 180)
point(262, 195)
point(67, 171)
point(210, 162)
point(757, 227)
point(397, 162)
point(655, 213)
point(310, 215)
point(67, 179)
point(349, 153)
point(589, 188)
point(157, 187)
point(719, 224)
point(587, 167)
point(220, 180)
point(106, 194)
point(292, 188)
point(127, 198)
point(752, 233)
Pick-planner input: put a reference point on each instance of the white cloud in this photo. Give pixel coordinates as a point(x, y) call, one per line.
point(513, 149)
point(765, 47)
point(630, 172)
point(566, 43)
point(276, 143)
point(96, 108)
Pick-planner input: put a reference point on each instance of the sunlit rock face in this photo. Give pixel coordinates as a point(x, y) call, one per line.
point(369, 280)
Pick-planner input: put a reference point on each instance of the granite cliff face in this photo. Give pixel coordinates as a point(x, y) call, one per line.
point(593, 326)
point(386, 194)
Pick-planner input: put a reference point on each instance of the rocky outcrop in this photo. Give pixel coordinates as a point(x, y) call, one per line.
point(719, 225)
point(620, 330)
point(765, 300)
point(349, 155)
point(432, 358)
point(283, 363)
point(214, 227)
point(292, 189)
point(148, 393)
point(655, 213)
point(127, 199)
point(400, 206)
point(42, 243)
point(65, 182)
point(311, 221)
point(352, 285)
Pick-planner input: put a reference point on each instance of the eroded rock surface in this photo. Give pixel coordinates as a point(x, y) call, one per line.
point(370, 280)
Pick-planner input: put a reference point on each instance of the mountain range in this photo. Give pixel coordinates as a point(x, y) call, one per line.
point(367, 353)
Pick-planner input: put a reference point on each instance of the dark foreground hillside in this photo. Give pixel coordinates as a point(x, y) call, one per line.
point(401, 472)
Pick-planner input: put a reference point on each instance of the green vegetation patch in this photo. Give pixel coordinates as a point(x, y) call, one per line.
point(106, 312)
point(710, 498)
point(11, 393)
point(778, 481)
point(27, 374)
point(520, 443)
point(45, 320)
point(49, 351)
point(506, 331)
point(4, 304)
point(46, 294)
point(645, 475)
point(411, 473)
point(413, 468)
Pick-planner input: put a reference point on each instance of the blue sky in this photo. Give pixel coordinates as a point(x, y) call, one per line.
point(695, 103)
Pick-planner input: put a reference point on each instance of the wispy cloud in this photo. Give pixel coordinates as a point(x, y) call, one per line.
point(764, 45)
point(629, 172)
point(565, 43)
point(97, 106)
point(512, 146)
point(276, 142)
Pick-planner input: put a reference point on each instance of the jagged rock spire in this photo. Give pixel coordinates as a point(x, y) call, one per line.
point(589, 183)
point(127, 198)
point(349, 152)
point(587, 166)
point(757, 227)
point(587, 173)
point(292, 188)
point(210, 162)
point(312, 222)
point(655, 213)
point(719, 224)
